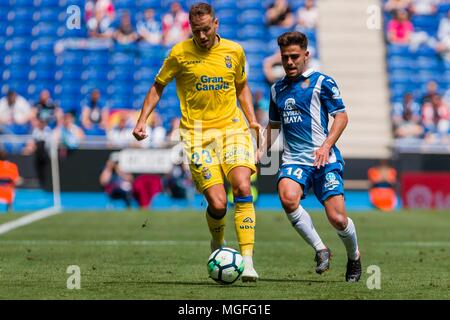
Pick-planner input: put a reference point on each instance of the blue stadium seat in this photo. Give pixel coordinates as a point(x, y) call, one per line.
point(49, 15)
point(252, 32)
point(145, 73)
point(224, 4)
point(144, 4)
point(22, 15)
point(42, 74)
point(92, 73)
point(228, 31)
point(227, 16)
point(17, 58)
point(251, 17)
point(17, 44)
point(43, 44)
point(47, 29)
point(395, 49)
point(250, 4)
point(19, 30)
point(56, 3)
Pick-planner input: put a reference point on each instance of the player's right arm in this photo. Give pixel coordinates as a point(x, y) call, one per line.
point(168, 71)
point(151, 100)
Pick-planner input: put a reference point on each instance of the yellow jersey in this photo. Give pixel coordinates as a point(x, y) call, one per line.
point(205, 81)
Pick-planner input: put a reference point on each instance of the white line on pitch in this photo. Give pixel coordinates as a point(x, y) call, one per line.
point(29, 218)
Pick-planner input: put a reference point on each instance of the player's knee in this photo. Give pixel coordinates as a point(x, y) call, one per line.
point(242, 189)
point(289, 201)
point(218, 206)
point(339, 221)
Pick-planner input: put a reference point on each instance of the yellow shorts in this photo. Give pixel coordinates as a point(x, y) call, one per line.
point(213, 155)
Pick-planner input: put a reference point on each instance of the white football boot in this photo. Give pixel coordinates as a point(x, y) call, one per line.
point(249, 274)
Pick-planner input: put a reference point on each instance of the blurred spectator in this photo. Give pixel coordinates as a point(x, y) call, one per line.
point(443, 35)
point(116, 183)
point(46, 110)
point(15, 113)
point(400, 28)
point(273, 68)
point(99, 17)
point(261, 107)
point(120, 135)
point(38, 146)
point(280, 14)
point(174, 132)
point(149, 29)
point(431, 90)
point(68, 134)
point(424, 7)
point(175, 25)
point(406, 118)
point(145, 188)
point(94, 115)
point(9, 178)
point(383, 179)
point(401, 31)
point(435, 118)
point(394, 5)
point(178, 183)
point(157, 133)
point(125, 33)
point(307, 16)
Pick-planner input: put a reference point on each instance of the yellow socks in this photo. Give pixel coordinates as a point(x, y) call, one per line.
point(244, 220)
point(217, 228)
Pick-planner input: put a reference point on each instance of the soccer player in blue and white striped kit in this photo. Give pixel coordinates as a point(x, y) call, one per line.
point(300, 104)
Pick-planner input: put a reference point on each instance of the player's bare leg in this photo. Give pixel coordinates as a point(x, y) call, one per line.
point(244, 218)
point(335, 209)
point(215, 214)
point(290, 193)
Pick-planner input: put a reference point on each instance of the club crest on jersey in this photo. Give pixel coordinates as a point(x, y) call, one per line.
point(332, 182)
point(228, 63)
point(289, 104)
point(206, 173)
point(305, 84)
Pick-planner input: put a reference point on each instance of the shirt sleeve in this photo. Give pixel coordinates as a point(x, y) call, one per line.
point(241, 75)
point(169, 69)
point(274, 114)
point(330, 97)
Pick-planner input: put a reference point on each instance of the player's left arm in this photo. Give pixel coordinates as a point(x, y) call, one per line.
point(323, 153)
point(331, 100)
point(244, 95)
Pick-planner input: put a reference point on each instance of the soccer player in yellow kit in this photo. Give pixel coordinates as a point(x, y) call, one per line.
point(210, 75)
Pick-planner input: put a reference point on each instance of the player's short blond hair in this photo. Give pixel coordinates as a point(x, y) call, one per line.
point(200, 9)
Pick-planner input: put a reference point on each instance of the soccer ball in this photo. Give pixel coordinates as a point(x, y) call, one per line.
point(225, 265)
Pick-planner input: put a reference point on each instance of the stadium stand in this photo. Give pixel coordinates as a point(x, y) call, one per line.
point(42, 53)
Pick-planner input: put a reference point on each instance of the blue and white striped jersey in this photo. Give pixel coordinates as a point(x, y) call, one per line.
point(302, 107)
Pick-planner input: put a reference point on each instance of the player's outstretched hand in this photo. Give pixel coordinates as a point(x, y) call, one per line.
point(321, 156)
point(258, 130)
point(140, 131)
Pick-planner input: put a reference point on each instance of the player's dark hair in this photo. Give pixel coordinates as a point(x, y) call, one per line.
point(200, 9)
point(293, 38)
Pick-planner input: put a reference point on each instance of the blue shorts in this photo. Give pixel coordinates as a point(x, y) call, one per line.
point(326, 181)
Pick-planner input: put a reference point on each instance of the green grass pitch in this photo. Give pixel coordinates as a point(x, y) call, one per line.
point(163, 255)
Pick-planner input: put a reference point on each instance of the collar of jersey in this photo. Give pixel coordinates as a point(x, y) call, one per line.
point(213, 47)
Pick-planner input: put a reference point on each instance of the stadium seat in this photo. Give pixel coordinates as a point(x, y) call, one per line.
point(251, 17)
point(224, 4)
point(226, 16)
point(252, 32)
point(250, 4)
point(21, 15)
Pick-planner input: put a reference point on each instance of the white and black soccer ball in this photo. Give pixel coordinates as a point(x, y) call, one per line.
point(225, 265)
